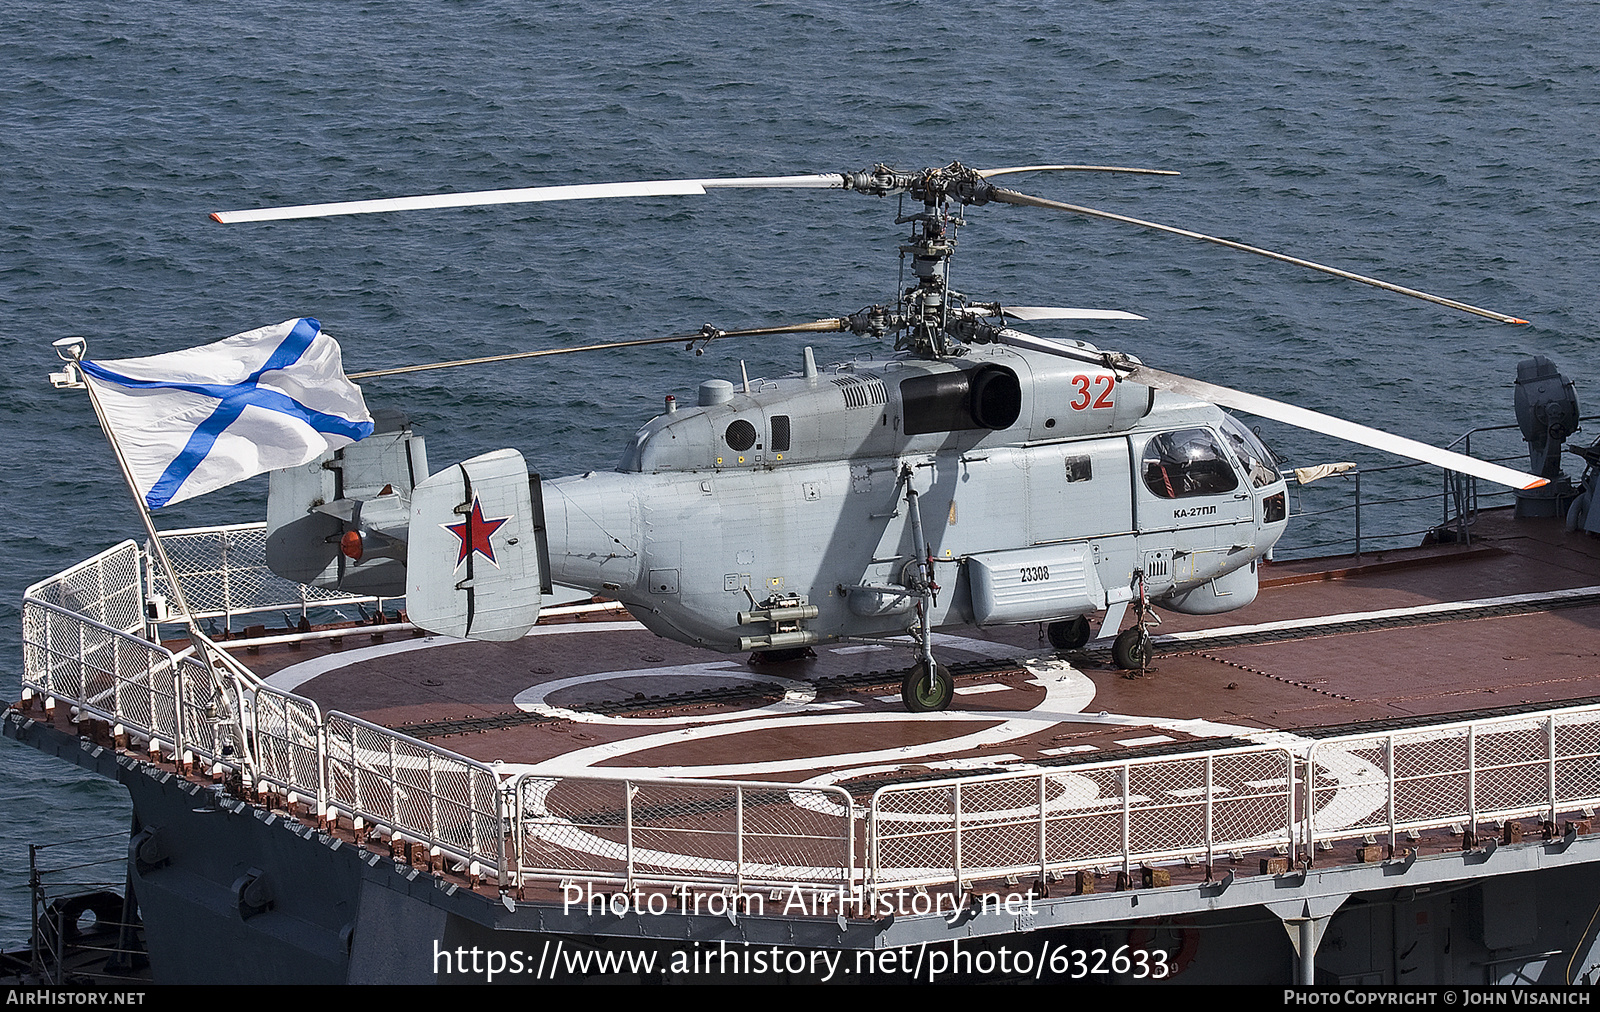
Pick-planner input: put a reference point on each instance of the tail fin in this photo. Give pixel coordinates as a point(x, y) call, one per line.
point(475, 560)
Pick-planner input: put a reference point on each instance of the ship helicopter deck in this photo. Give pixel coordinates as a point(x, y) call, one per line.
point(1384, 724)
point(592, 689)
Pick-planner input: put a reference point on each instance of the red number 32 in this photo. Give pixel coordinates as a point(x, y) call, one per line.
point(1086, 399)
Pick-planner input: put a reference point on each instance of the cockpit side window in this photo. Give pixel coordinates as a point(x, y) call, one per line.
point(1185, 463)
point(1259, 461)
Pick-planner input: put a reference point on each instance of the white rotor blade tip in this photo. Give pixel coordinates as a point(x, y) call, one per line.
point(1067, 313)
point(991, 173)
point(1299, 417)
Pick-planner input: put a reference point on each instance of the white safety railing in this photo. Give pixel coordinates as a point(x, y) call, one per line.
point(1457, 774)
point(104, 588)
point(224, 574)
point(84, 644)
point(633, 830)
point(426, 794)
point(84, 641)
point(289, 740)
point(1096, 815)
point(103, 671)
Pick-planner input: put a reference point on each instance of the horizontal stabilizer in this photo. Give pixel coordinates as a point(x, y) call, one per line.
point(473, 566)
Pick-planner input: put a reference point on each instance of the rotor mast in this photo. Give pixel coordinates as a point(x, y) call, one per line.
point(926, 307)
point(923, 314)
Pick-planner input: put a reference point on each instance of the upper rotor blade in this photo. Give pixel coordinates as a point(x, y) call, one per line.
point(1006, 196)
point(577, 191)
point(1329, 425)
point(991, 173)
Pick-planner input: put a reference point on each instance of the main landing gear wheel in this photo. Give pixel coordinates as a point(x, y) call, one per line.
point(1132, 649)
point(920, 694)
point(1069, 635)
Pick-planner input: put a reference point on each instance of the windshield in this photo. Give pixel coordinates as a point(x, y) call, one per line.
point(1261, 463)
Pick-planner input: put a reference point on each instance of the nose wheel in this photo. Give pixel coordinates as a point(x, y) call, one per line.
point(1131, 649)
point(922, 693)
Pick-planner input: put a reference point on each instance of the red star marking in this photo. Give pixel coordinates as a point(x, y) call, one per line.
point(475, 532)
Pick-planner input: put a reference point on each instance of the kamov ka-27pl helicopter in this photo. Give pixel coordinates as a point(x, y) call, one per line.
point(977, 475)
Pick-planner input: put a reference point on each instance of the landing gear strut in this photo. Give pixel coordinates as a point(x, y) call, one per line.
point(929, 686)
point(1132, 648)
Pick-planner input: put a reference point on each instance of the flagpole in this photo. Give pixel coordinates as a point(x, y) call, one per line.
point(71, 350)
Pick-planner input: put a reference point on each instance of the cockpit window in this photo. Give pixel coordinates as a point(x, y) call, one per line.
point(1261, 463)
point(1187, 463)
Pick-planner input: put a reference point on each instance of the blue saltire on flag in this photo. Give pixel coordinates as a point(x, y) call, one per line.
point(193, 421)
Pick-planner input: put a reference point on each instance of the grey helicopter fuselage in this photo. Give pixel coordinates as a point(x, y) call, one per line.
point(1048, 489)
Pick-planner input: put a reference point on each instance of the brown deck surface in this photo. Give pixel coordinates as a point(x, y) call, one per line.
point(1041, 706)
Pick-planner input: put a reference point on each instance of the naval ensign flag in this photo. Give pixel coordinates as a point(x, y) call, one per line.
point(190, 422)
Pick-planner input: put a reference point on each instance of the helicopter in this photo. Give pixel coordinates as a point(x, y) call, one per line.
point(975, 475)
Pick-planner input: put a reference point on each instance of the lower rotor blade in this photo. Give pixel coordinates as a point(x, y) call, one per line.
point(373, 373)
point(709, 334)
point(1329, 425)
point(1266, 407)
point(1017, 339)
point(991, 173)
point(1065, 313)
point(830, 325)
point(1006, 196)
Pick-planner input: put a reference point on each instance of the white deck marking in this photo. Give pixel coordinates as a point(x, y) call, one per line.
point(295, 675)
point(1067, 693)
point(1147, 740)
point(976, 762)
point(1443, 608)
point(969, 690)
point(797, 695)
